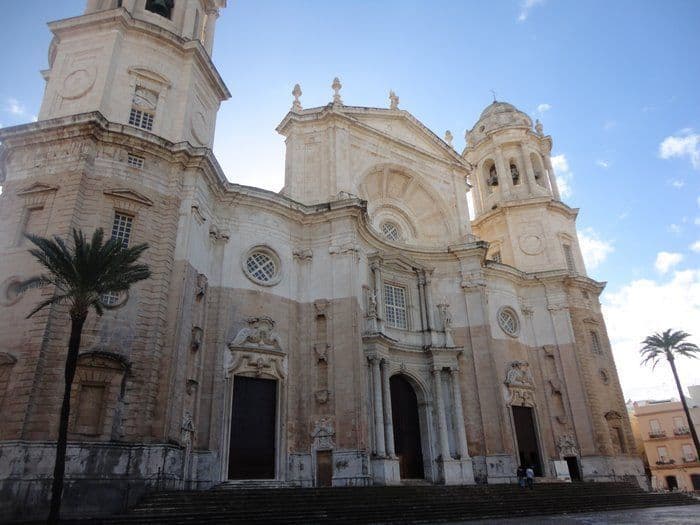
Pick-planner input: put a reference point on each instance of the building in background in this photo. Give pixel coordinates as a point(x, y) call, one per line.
point(355, 328)
point(665, 433)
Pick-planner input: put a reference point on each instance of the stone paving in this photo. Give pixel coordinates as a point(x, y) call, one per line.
point(682, 515)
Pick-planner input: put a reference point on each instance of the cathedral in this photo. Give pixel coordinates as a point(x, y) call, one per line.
point(356, 328)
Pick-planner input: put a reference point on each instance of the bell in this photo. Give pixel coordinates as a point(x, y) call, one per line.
point(160, 7)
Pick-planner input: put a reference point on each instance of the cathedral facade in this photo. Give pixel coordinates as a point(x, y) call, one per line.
point(356, 328)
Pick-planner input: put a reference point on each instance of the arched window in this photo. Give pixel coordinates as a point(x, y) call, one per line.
point(490, 176)
point(160, 7)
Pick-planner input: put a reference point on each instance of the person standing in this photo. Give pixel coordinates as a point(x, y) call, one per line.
point(521, 476)
point(530, 475)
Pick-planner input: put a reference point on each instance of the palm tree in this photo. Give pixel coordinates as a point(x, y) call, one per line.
point(670, 345)
point(81, 275)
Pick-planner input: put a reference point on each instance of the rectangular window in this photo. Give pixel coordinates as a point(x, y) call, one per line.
point(121, 227)
point(663, 454)
point(395, 306)
point(33, 224)
point(569, 257)
point(654, 426)
point(141, 119)
point(678, 422)
point(89, 415)
point(595, 343)
point(135, 161)
point(688, 453)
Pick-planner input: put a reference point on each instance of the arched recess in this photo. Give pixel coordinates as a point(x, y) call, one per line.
point(254, 359)
point(97, 395)
point(540, 173)
point(396, 193)
point(7, 363)
point(425, 421)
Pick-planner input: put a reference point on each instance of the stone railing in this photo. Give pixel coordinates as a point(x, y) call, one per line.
point(681, 431)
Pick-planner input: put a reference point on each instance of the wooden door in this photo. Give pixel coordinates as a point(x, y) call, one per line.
point(407, 438)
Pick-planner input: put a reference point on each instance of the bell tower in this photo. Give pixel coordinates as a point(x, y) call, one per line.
point(142, 63)
point(516, 199)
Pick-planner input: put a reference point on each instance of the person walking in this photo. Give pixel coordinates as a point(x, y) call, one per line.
point(521, 476)
point(530, 475)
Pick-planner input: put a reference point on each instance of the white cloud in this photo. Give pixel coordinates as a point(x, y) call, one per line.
point(593, 248)
point(14, 107)
point(696, 221)
point(564, 175)
point(525, 8)
point(603, 163)
point(677, 183)
point(543, 107)
point(684, 144)
point(675, 229)
point(641, 308)
point(609, 124)
point(665, 261)
point(695, 246)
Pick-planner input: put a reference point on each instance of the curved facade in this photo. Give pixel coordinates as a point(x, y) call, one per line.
point(355, 329)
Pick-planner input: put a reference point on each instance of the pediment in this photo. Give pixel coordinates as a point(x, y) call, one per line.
point(147, 74)
point(36, 188)
point(404, 127)
point(129, 195)
point(398, 261)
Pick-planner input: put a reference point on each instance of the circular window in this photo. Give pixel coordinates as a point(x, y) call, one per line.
point(508, 321)
point(391, 231)
point(262, 266)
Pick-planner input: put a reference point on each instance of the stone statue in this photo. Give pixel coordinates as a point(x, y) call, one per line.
point(336, 91)
point(449, 137)
point(446, 319)
point(493, 176)
point(393, 100)
point(519, 374)
point(538, 127)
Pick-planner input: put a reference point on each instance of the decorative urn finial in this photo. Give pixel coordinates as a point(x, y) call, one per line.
point(336, 91)
point(296, 105)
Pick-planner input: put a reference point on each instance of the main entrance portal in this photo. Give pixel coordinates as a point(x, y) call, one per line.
point(404, 408)
point(528, 449)
point(253, 414)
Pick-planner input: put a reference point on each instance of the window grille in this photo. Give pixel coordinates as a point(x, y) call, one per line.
point(569, 257)
point(261, 266)
point(395, 306)
point(141, 119)
point(135, 161)
point(121, 227)
point(391, 231)
point(496, 256)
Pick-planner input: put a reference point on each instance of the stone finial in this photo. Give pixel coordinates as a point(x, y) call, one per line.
point(336, 91)
point(448, 137)
point(538, 127)
point(296, 105)
point(393, 100)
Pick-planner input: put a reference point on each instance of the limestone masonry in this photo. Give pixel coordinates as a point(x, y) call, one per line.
point(354, 329)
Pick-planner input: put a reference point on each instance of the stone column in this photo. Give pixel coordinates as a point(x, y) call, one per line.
point(529, 170)
point(378, 408)
point(428, 304)
point(388, 416)
point(442, 420)
point(504, 181)
point(552, 177)
point(462, 449)
point(209, 27)
point(461, 189)
point(378, 293)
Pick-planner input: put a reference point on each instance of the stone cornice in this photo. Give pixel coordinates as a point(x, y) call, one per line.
point(123, 18)
point(548, 202)
point(345, 113)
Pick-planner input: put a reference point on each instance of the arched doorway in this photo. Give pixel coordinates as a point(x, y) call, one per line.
point(253, 418)
point(407, 436)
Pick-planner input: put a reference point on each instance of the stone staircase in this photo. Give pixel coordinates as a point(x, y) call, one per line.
point(397, 504)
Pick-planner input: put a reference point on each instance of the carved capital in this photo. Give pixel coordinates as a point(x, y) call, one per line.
point(303, 255)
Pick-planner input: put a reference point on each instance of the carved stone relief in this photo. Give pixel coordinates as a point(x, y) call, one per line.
point(566, 446)
point(323, 434)
point(520, 385)
point(258, 334)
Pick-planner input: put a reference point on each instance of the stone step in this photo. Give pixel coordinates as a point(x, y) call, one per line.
point(255, 503)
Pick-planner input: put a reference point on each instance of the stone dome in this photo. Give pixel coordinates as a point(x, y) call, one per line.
point(498, 115)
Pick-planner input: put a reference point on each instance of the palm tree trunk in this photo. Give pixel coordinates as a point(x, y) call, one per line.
point(76, 330)
point(693, 433)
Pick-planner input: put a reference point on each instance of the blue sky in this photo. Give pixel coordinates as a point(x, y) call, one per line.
point(614, 83)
